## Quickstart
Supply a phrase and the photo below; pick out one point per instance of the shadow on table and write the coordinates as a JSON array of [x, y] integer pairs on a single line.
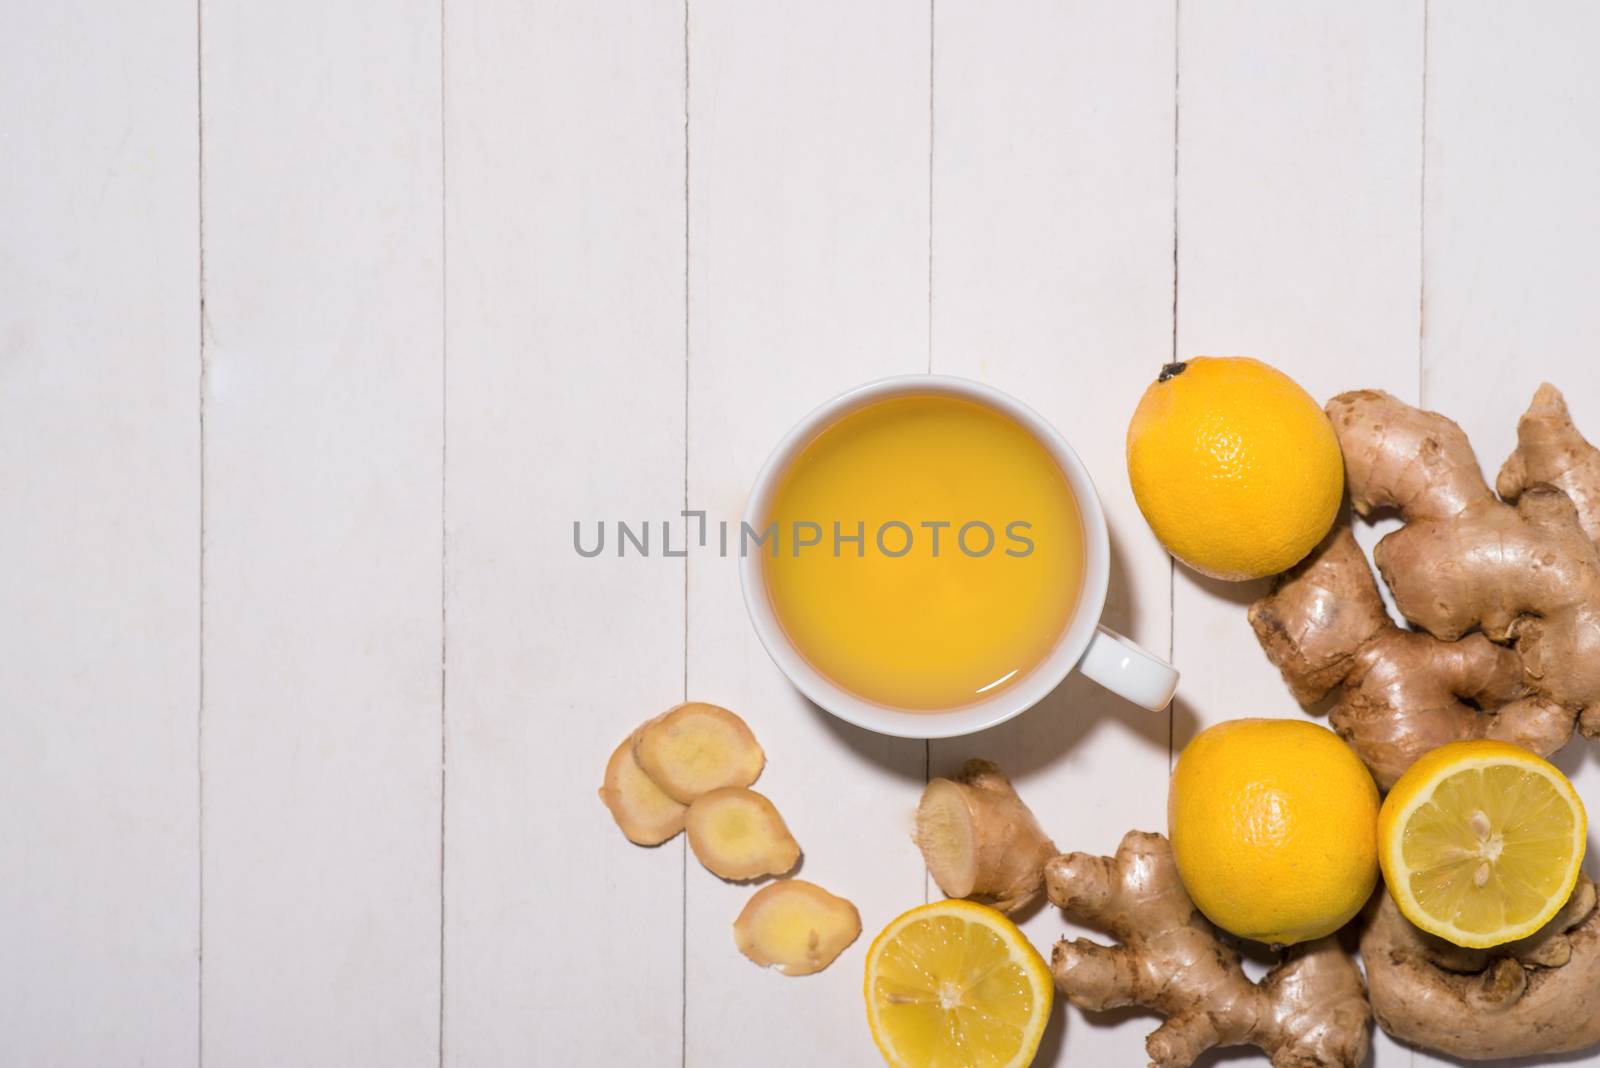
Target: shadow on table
[[1052, 1047], [905, 758]]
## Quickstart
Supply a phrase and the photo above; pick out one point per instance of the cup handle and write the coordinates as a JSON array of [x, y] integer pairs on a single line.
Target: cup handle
[[1128, 671]]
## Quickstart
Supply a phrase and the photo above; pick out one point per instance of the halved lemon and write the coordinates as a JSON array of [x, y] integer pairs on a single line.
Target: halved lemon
[[955, 984], [1480, 842]]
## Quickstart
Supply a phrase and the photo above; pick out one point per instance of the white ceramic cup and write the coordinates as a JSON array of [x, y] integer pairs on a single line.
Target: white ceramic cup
[[1100, 653]]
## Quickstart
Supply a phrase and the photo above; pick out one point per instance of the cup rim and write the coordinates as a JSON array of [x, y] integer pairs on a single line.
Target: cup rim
[[978, 715]]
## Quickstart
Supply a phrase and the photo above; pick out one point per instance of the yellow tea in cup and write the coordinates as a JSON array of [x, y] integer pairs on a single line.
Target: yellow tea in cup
[[923, 552]]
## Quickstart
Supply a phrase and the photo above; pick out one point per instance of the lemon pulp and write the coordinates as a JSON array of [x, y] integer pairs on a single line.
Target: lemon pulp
[[1484, 848], [956, 985]]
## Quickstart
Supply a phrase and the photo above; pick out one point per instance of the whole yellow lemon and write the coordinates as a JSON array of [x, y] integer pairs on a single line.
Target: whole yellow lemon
[[1274, 824], [1235, 467]]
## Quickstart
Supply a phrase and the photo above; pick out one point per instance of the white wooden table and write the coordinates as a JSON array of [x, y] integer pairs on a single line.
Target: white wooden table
[[321, 321]]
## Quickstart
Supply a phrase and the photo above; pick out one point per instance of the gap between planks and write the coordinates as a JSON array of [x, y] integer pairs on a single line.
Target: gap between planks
[[444, 527], [683, 845]]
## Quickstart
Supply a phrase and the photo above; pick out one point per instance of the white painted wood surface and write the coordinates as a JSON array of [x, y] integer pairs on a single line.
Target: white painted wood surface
[[323, 452], [100, 493], [565, 387], [475, 271]]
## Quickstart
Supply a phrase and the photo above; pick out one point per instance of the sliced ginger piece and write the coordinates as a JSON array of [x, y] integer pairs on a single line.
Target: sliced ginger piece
[[738, 834], [795, 927], [979, 839], [646, 815], [696, 748]]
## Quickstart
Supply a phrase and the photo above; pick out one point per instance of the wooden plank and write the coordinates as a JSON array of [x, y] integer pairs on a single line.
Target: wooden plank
[[1510, 224], [1299, 184], [566, 389], [323, 437], [99, 472], [1510, 216], [1298, 244], [1052, 279], [809, 257]]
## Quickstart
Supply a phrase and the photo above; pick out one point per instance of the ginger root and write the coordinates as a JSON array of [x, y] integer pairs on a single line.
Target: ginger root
[[1396, 694], [1508, 597], [795, 927], [1527, 576], [1522, 999], [1550, 451], [646, 815], [979, 840], [1310, 1011], [695, 748], [738, 834]]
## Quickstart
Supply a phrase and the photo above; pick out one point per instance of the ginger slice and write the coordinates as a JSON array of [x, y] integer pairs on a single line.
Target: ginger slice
[[978, 839], [646, 815], [695, 748], [795, 927], [738, 834]]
